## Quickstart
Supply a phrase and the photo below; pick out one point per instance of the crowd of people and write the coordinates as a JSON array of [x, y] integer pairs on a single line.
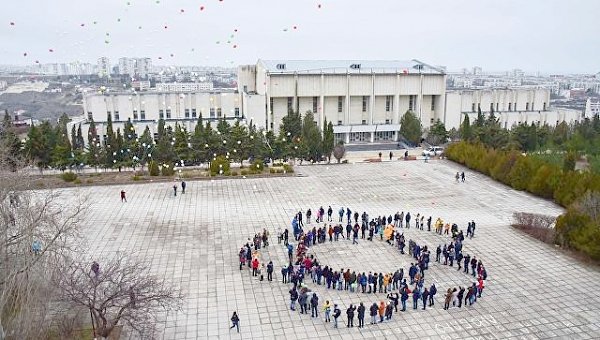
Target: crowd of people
[[303, 266]]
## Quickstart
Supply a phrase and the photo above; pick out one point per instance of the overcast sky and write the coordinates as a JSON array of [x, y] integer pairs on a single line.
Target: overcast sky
[[550, 36]]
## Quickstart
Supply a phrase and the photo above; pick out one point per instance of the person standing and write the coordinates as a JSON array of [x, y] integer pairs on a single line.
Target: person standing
[[329, 213], [175, 189], [293, 298], [457, 176], [462, 176], [391, 155], [381, 311], [336, 314], [235, 320], [361, 315], [424, 297], [379, 155], [270, 271], [373, 312], [314, 305], [123, 198], [183, 185], [350, 314], [327, 310], [432, 292]]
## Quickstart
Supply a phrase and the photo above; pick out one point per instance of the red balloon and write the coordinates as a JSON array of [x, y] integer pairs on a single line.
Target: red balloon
[[234, 46], [171, 54], [25, 54], [37, 61], [295, 27], [182, 10], [12, 23], [319, 6], [82, 25], [50, 50], [159, 58], [201, 8], [166, 27], [235, 30]]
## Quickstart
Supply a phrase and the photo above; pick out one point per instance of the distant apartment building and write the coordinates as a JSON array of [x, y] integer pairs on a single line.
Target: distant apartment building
[[3, 85], [141, 85], [592, 107], [104, 69], [184, 87], [135, 67]]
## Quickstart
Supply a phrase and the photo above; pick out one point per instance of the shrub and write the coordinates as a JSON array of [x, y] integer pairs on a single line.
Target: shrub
[[244, 172], [153, 168], [288, 168], [219, 166], [544, 181], [77, 181], [257, 167], [68, 176], [280, 171], [167, 170], [234, 173], [136, 178], [89, 181], [271, 170]]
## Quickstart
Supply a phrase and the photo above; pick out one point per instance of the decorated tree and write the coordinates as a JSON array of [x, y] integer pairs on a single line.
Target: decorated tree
[[328, 140], [410, 127]]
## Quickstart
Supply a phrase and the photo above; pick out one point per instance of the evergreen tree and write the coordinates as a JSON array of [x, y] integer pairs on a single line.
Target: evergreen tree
[[110, 145], [199, 142], [465, 129], [94, 150], [480, 118], [10, 141], [410, 127], [239, 143], [79, 136], [182, 145], [437, 133], [144, 148], [74, 144], [61, 155], [328, 140], [311, 142]]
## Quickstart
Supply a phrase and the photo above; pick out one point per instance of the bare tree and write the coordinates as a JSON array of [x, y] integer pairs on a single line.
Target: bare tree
[[36, 231], [339, 151], [118, 290]]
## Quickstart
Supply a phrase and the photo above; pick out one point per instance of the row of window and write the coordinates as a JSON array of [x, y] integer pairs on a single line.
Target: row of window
[[511, 107], [389, 103], [161, 114]]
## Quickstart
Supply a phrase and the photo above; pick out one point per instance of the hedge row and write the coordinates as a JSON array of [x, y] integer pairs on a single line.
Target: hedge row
[[579, 227], [525, 173]]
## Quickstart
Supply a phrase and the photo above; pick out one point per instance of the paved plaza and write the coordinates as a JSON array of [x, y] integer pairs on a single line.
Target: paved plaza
[[532, 291]]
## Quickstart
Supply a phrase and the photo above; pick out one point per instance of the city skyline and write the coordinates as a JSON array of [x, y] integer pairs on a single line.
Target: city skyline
[[536, 36]]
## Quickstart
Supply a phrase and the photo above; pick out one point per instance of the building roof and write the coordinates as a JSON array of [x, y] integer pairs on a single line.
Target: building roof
[[348, 66]]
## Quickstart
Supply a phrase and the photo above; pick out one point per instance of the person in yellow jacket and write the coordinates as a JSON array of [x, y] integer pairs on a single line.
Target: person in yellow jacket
[[327, 310]]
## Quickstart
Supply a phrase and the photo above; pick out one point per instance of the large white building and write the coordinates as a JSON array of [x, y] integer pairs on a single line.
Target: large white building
[[365, 100], [592, 108]]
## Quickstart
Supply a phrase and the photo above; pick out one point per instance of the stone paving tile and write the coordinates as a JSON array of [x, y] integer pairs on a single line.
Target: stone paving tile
[[533, 291]]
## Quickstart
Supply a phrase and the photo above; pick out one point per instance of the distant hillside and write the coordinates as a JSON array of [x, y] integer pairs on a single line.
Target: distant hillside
[[41, 105]]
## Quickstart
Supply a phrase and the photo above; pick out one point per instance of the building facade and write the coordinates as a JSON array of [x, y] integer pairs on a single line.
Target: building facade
[[103, 67], [146, 108], [511, 106], [592, 108], [365, 100]]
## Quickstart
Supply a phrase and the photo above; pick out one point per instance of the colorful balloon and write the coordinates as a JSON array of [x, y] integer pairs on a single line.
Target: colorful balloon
[[201, 8], [50, 50], [12, 23]]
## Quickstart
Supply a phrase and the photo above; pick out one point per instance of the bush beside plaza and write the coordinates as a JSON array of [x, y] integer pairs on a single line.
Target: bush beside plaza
[[579, 192]]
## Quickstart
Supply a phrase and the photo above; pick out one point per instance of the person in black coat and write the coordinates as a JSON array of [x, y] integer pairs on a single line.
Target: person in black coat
[[350, 314], [361, 315]]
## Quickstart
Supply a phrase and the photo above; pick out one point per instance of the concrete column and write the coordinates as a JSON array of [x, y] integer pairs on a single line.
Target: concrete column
[[397, 101], [420, 99], [347, 137], [372, 137], [372, 100], [321, 104], [347, 108]]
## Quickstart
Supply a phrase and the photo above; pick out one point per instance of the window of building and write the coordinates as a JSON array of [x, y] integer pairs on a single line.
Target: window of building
[[339, 122], [91, 117], [219, 112], [432, 103], [340, 104], [497, 107], [532, 106], [187, 113], [290, 101], [315, 104], [271, 125], [526, 106], [108, 115], [387, 121], [411, 103], [515, 107], [473, 107], [364, 103], [135, 114], [271, 104], [364, 122], [509, 106], [478, 106], [117, 117], [389, 104], [236, 111], [168, 113], [543, 108], [212, 112], [193, 113], [491, 107], [161, 114], [142, 114]]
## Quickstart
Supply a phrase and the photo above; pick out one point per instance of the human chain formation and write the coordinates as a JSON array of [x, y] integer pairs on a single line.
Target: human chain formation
[[302, 265]]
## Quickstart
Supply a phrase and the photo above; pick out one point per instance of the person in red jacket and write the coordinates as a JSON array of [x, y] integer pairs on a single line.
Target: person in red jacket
[[255, 264]]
